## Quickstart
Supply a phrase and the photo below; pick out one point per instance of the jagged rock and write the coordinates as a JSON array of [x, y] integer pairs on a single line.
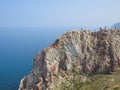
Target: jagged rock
[[90, 52]]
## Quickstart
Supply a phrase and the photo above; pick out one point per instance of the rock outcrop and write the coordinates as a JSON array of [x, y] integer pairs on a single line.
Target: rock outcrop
[[90, 52]]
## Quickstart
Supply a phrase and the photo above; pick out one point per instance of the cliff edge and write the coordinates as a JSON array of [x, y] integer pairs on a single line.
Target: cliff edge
[[89, 52]]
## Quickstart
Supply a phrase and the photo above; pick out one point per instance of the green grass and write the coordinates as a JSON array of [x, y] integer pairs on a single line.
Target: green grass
[[94, 82]]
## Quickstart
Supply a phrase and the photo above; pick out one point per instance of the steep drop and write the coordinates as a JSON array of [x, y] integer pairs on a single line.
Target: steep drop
[[89, 52]]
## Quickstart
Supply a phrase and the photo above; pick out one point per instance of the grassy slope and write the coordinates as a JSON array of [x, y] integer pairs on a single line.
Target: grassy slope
[[103, 82], [95, 82]]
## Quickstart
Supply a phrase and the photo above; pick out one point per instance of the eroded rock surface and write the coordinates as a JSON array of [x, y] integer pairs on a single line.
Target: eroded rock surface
[[90, 52]]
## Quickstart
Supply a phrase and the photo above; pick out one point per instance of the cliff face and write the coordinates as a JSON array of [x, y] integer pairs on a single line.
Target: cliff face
[[89, 52]]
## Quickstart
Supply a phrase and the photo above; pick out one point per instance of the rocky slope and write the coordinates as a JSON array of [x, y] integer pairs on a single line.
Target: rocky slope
[[89, 52]]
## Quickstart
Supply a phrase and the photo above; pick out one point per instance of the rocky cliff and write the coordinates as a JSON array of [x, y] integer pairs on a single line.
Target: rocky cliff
[[89, 52]]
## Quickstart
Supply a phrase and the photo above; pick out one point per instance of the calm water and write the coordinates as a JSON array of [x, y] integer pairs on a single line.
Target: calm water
[[18, 46]]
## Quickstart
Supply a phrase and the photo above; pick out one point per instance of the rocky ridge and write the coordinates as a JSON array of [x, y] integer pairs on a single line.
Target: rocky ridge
[[90, 52]]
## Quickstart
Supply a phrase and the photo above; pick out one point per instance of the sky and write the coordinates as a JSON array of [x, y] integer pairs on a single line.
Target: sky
[[52, 13]]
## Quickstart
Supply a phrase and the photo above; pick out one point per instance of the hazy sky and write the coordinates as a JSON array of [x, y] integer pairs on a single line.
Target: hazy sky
[[42, 13]]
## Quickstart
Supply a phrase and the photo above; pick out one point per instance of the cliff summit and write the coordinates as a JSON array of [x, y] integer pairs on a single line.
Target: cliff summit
[[89, 52]]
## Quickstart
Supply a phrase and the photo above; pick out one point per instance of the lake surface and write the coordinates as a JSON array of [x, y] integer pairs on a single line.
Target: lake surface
[[18, 46]]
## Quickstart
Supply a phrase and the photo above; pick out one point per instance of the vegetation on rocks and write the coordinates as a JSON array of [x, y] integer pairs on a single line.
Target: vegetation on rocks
[[93, 82]]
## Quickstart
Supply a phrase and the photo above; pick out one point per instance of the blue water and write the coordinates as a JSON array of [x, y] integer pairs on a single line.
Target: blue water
[[18, 46]]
